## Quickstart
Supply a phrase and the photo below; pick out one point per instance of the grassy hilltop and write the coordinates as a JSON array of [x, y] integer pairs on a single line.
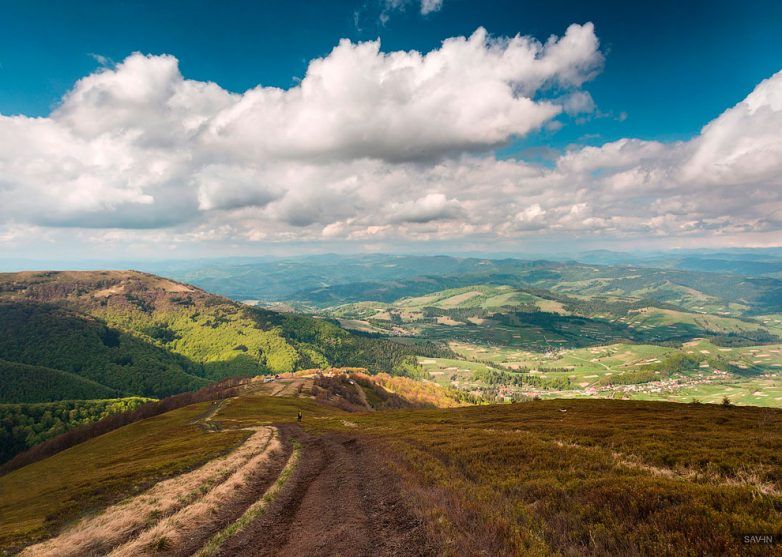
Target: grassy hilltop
[[581, 477]]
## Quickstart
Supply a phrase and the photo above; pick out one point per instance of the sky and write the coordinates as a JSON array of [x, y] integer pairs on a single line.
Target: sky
[[162, 129]]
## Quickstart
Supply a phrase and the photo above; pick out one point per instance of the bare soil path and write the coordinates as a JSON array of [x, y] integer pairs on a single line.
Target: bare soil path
[[341, 500], [285, 386]]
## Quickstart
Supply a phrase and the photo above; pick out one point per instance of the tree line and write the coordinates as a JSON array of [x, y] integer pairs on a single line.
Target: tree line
[[216, 391], [25, 425]]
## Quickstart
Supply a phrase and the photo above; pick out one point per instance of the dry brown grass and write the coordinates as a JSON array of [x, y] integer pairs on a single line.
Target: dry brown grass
[[40, 499], [255, 510], [584, 477], [199, 519], [119, 522]]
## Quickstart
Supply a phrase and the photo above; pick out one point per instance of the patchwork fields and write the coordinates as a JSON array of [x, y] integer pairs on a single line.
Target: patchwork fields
[[510, 342]]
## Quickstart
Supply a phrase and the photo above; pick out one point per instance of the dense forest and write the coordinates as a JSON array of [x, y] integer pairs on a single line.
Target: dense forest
[[25, 425], [55, 337], [26, 383], [344, 349], [495, 377], [119, 415]]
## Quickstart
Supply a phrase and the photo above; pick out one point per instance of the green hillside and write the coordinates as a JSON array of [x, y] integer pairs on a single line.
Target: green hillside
[[44, 334], [138, 334], [25, 383], [25, 425]]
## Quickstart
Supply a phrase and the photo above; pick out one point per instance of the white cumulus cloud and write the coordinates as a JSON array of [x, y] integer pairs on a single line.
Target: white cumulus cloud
[[138, 145], [429, 6], [377, 146]]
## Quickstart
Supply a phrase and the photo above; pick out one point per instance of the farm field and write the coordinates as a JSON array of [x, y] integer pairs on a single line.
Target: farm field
[[595, 341], [755, 376], [445, 371], [539, 331], [479, 296], [518, 318], [748, 360], [746, 392], [488, 298], [651, 318], [773, 322], [610, 358]]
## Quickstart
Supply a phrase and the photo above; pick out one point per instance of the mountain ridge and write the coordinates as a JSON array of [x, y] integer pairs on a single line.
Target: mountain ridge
[[141, 334]]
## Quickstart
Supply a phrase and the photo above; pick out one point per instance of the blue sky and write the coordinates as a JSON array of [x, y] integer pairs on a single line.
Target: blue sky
[[101, 164], [660, 55]]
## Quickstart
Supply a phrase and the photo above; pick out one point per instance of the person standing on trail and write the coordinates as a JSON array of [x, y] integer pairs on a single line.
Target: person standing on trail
[[298, 417]]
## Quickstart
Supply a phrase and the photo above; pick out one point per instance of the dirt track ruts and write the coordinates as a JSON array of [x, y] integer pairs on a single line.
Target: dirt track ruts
[[191, 531], [340, 500]]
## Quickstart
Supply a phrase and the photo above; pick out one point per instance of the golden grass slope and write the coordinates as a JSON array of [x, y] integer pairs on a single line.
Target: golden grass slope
[[587, 477], [38, 499], [197, 519], [120, 522], [555, 477]]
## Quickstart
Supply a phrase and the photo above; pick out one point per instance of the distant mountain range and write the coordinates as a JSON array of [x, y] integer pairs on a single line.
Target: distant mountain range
[[332, 280], [285, 278], [312, 283]]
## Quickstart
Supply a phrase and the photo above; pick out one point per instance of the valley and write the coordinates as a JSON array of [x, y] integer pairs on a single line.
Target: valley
[[589, 338], [390, 278], [109, 335]]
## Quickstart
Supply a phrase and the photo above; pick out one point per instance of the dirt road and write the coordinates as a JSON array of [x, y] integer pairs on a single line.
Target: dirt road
[[341, 500]]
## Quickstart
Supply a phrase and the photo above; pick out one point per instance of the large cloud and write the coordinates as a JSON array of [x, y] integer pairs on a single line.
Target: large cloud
[[373, 145], [743, 147], [138, 145], [472, 93]]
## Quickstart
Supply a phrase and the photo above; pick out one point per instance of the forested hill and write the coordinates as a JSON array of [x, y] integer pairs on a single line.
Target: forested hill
[[132, 333]]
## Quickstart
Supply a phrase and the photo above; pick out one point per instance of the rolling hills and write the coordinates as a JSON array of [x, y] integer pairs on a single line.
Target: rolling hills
[[382, 463], [521, 333], [131, 333], [683, 280], [618, 335]]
